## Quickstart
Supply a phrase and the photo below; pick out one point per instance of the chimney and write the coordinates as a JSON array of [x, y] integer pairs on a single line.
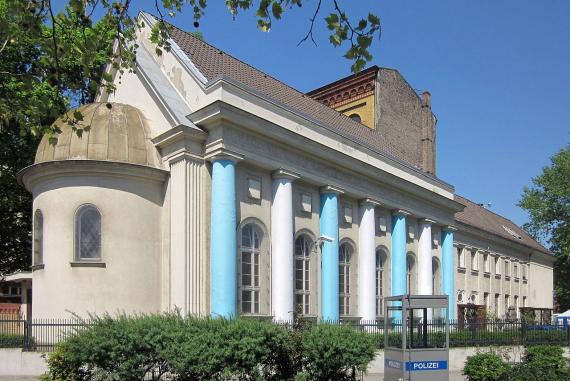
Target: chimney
[[426, 99], [428, 122]]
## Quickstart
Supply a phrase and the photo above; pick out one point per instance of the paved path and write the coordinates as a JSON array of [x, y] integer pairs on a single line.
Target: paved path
[[454, 376]]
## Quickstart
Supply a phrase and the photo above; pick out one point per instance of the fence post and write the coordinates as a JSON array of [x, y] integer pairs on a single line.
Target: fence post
[[26, 344], [523, 332]]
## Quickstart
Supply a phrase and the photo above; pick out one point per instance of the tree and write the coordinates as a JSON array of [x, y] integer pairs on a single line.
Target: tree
[[16, 152], [31, 97], [68, 44], [51, 62], [547, 202]]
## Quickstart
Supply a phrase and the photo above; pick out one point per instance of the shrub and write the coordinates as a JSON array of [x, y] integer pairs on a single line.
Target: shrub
[[128, 348], [334, 352], [543, 362], [8, 340], [486, 366], [120, 348], [217, 349]]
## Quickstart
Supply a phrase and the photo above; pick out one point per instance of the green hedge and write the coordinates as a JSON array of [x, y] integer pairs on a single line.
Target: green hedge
[[128, 348], [8, 340], [540, 362]]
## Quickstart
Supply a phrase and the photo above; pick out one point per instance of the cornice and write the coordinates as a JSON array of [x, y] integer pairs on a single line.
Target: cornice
[[217, 151], [369, 201], [331, 189], [401, 212], [284, 174], [34, 174]]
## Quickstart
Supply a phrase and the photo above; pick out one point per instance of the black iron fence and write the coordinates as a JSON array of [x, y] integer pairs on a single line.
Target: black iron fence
[[42, 335], [39, 335]]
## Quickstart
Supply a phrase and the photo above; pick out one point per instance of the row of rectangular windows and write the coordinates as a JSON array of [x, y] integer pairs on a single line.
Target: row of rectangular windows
[[487, 264]]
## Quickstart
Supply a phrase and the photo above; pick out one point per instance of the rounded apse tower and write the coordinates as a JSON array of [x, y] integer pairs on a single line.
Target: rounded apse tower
[[97, 205]]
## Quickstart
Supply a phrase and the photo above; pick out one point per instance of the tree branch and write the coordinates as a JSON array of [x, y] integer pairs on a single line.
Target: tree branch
[[4, 45], [310, 32], [54, 41]]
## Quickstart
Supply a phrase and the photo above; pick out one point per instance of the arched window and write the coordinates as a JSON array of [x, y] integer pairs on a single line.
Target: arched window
[[355, 117], [250, 281], [87, 233], [380, 266], [38, 238], [303, 246], [345, 256], [435, 276], [410, 273]]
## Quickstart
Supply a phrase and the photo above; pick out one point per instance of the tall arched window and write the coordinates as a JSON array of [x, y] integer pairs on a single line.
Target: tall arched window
[[410, 275], [38, 238], [250, 283], [380, 265], [87, 233], [435, 276], [303, 246], [345, 256]]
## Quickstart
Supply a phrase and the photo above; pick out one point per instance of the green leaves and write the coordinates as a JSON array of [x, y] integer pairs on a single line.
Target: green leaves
[[547, 201], [191, 348], [487, 366], [359, 36]]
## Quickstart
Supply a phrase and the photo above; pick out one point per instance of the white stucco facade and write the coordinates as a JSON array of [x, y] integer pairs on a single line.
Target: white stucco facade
[[158, 245]]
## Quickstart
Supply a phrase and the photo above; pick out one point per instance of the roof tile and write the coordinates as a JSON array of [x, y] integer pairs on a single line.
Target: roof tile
[[484, 219]]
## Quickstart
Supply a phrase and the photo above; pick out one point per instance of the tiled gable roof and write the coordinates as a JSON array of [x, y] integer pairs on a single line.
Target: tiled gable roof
[[476, 216], [214, 63]]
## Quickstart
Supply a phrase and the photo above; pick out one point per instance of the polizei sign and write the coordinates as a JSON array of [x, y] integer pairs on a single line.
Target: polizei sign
[[413, 366]]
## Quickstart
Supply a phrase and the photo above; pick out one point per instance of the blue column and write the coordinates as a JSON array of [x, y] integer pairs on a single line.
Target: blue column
[[448, 268], [398, 253], [330, 263], [223, 241]]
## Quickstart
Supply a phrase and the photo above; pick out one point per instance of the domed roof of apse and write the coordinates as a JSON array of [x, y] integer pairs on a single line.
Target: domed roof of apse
[[116, 132]]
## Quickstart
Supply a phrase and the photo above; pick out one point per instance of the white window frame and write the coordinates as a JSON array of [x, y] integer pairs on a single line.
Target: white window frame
[[346, 252], [304, 259], [381, 258], [474, 260], [77, 227], [497, 266], [460, 257], [486, 263], [254, 252]]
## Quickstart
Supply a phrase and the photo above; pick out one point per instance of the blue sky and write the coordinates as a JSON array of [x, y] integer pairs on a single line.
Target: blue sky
[[498, 72]]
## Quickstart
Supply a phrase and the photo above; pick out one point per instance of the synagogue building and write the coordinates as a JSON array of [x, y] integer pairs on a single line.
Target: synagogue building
[[205, 185]]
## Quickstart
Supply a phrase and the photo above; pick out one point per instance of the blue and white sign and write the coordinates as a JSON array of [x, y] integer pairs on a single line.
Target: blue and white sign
[[416, 366]]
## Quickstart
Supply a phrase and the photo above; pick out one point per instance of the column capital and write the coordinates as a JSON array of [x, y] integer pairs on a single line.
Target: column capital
[[448, 228], [183, 155], [331, 189], [369, 201], [427, 221], [179, 143], [284, 174], [400, 212], [223, 154]]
